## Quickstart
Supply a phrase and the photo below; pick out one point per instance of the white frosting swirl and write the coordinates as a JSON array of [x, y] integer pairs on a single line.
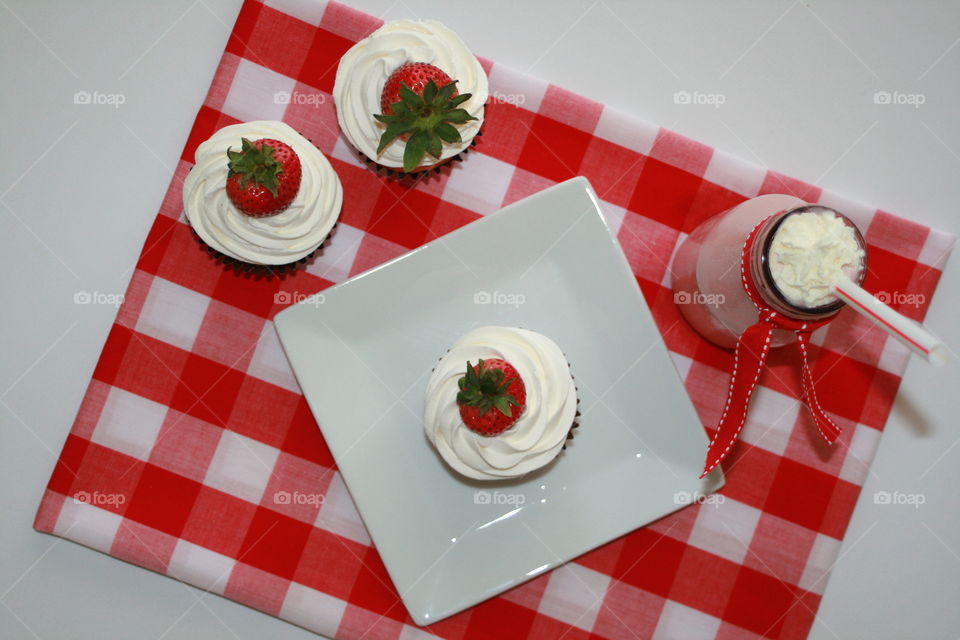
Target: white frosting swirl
[[364, 70], [537, 436], [286, 237]]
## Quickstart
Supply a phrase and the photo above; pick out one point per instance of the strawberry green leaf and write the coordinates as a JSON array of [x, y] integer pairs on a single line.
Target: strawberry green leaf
[[392, 132], [458, 116], [447, 132], [430, 91], [416, 148]]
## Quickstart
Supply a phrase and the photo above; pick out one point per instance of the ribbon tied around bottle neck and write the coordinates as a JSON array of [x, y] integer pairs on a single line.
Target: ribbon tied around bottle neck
[[750, 357]]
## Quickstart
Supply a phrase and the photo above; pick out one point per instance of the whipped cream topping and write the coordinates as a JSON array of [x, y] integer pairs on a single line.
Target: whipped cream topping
[[536, 438], [810, 253], [286, 237], [364, 70]]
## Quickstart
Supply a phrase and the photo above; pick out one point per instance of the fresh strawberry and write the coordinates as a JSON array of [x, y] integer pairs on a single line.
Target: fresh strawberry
[[421, 101], [263, 177], [492, 397]]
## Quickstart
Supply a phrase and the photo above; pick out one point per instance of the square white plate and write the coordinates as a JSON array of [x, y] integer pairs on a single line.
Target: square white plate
[[363, 353]]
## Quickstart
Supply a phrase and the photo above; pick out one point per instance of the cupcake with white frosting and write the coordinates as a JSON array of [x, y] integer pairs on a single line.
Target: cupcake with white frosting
[[261, 196], [410, 96], [501, 403]]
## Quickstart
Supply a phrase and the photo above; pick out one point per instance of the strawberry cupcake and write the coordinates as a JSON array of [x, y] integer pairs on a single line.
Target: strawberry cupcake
[[410, 96], [261, 196], [501, 403]]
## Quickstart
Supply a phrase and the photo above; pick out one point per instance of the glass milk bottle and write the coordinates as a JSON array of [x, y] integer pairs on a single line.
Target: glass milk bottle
[[708, 280]]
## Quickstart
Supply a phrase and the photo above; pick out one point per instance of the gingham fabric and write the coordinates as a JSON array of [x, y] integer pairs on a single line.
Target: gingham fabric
[[193, 423]]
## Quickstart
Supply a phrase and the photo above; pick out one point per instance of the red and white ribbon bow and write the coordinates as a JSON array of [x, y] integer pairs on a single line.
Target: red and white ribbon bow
[[749, 359]]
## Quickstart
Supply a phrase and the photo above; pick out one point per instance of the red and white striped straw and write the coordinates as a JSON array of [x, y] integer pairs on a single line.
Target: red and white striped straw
[[904, 329]]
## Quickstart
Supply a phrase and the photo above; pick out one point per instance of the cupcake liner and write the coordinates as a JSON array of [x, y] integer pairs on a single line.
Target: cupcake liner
[[414, 177], [263, 270]]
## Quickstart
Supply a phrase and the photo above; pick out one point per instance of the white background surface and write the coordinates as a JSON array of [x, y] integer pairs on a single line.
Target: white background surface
[[80, 184]]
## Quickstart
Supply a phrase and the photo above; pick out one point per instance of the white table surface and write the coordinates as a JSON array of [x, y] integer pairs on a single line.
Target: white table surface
[[80, 184]]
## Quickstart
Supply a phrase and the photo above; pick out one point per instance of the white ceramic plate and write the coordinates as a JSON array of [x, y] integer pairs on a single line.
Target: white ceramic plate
[[363, 357]]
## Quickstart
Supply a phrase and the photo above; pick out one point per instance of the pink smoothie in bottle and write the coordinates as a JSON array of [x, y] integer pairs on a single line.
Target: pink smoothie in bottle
[[799, 252]]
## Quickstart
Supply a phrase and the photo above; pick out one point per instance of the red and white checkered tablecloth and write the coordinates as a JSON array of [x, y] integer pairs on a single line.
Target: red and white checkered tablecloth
[[193, 419]]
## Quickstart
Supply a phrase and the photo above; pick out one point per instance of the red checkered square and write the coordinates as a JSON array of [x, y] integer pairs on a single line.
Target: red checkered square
[[187, 262], [274, 542], [207, 390], [800, 494], [219, 522], [553, 149], [263, 412], [663, 193], [643, 568], [628, 612], [162, 500], [406, 216], [759, 602], [711, 592], [150, 368], [279, 42], [485, 620], [323, 56], [329, 563]]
